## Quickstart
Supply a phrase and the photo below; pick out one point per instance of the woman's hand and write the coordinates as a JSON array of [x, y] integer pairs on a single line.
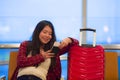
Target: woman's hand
[[65, 42], [47, 54]]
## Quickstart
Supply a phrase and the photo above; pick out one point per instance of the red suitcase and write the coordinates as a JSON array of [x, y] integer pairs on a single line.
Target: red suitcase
[[86, 62]]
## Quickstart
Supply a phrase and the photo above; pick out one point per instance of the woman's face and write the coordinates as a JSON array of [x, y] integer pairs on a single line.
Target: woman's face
[[45, 35]]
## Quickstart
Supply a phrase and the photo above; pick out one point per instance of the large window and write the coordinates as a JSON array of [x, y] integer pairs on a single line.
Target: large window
[[104, 16], [19, 18]]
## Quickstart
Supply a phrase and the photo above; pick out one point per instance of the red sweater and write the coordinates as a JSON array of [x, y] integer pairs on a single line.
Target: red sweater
[[23, 61]]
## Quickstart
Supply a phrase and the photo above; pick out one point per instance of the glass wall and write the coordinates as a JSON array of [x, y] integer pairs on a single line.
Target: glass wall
[[104, 16], [19, 18]]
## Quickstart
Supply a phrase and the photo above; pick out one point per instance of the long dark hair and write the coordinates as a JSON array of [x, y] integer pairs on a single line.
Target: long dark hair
[[35, 43]]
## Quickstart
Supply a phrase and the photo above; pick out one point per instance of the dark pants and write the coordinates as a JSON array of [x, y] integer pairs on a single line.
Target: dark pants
[[28, 77]]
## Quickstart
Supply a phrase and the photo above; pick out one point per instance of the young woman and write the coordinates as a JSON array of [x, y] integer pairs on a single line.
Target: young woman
[[35, 60]]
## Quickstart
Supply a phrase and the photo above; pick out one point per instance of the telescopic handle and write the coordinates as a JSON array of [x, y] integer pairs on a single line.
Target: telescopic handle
[[88, 29]]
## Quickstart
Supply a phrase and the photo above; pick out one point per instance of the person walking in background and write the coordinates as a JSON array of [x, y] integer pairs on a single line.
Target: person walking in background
[[35, 60]]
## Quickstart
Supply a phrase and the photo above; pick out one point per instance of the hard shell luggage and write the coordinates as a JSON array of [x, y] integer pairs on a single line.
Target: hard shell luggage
[[85, 61]]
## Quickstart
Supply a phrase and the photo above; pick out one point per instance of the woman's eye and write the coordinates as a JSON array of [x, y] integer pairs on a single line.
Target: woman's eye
[[44, 32]]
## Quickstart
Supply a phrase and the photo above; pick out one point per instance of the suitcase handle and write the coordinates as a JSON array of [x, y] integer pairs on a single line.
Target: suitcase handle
[[94, 39], [87, 29]]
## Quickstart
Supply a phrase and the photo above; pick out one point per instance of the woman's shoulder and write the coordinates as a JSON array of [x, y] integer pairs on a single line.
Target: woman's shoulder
[[25, 42]]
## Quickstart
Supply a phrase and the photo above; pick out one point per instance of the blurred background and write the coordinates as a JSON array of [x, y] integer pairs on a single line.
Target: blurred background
[[18, 19]]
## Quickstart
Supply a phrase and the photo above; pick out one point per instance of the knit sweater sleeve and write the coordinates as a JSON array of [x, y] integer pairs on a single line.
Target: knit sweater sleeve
[[23, 60], [66, 49]]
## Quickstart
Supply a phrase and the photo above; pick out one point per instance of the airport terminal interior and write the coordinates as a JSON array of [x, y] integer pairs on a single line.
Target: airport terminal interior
[[18, 19]]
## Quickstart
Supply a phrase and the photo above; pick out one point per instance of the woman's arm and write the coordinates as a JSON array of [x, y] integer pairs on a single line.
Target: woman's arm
[[66, 44], [23, 60]]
